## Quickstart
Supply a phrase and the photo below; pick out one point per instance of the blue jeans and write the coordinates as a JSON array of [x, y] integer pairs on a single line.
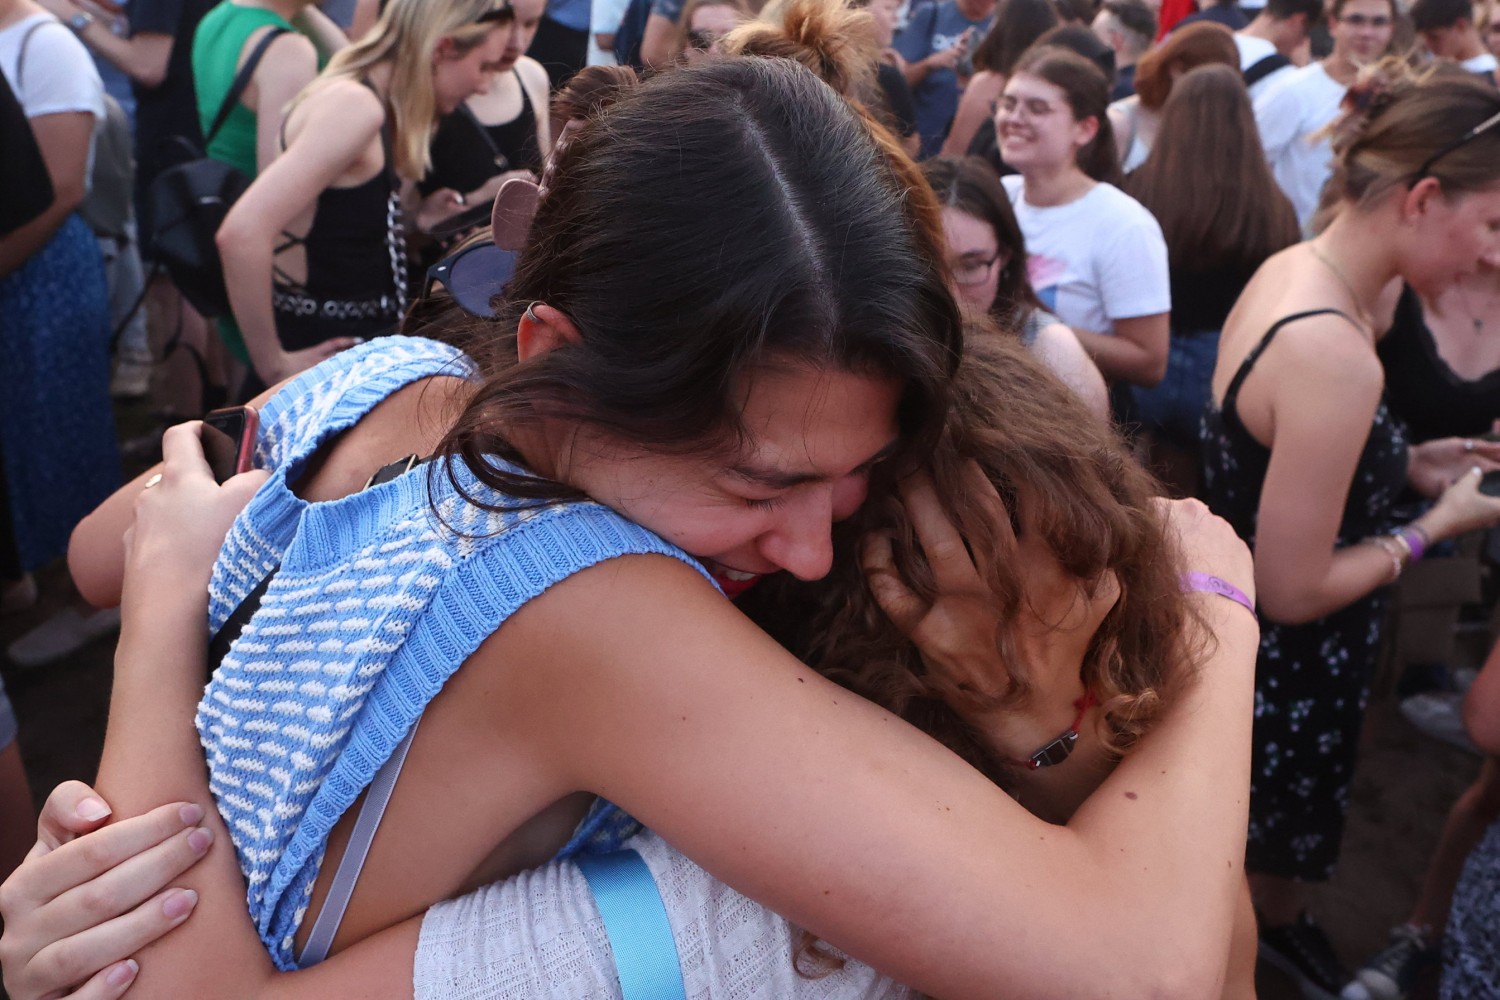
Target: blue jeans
[[1172, 409]]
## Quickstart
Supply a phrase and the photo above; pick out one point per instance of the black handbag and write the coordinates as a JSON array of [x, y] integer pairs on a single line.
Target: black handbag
[[189, 202]]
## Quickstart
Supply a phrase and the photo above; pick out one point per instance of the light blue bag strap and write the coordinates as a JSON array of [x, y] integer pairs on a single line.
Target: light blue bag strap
[[635, 920]]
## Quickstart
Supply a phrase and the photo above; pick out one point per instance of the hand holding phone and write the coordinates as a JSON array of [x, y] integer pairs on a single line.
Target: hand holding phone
[[229, 440]]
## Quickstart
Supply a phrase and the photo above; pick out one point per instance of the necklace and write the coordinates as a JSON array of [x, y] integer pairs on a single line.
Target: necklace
[[1477, 318], [1360, 312]]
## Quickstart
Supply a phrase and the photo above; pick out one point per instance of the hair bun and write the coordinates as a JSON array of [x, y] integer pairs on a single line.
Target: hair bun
[[834, 41], [1377, 88]]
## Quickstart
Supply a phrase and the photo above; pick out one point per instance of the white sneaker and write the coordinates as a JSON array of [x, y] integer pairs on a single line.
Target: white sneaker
[[132, 378], [62, 635], [1439, 714]]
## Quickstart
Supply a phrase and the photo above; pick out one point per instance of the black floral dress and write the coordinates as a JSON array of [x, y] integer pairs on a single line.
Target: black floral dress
[[1312, 680], [1471, 945]]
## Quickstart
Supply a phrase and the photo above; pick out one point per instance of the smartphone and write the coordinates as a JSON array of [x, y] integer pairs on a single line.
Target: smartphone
[[1490, 484], [229, 440]]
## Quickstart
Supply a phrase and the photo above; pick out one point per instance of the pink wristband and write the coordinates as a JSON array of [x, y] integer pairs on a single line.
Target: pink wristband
[[1208, 583]]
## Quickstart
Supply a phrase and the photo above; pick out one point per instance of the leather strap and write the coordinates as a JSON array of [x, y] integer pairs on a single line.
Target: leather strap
[[635, 919], [241, 81]]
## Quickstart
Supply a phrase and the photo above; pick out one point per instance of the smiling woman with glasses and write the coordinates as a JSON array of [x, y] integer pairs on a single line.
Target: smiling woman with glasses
[[987, 271]]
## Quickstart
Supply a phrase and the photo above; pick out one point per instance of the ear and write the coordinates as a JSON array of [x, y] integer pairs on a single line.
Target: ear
[[1084, 131], [1419, 199], [542, 329], [443, 51]]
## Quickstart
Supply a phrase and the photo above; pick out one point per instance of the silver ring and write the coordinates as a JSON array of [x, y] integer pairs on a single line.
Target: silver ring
[[1468, 444], [152, 481]]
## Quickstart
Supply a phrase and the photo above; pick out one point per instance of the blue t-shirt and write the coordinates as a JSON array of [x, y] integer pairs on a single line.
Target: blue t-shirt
[[932, 28], [570, 13]]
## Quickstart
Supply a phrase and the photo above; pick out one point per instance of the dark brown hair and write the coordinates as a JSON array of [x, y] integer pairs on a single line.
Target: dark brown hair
[[1207, 181], [1202, 43], [971, 186], [711, 221], [1086, 89], [1018, 24]]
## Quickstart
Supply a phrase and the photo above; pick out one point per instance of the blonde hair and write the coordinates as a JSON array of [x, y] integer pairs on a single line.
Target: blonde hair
[[406, 36]]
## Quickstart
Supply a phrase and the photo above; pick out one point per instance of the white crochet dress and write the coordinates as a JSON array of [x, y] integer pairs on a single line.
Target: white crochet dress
[[539, 934]]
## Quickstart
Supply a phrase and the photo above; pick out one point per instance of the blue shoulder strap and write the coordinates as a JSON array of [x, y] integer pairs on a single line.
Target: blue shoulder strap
[[635, 920]]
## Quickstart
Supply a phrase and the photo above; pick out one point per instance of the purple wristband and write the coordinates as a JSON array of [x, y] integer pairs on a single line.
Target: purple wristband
[[1210, 584], [1414, 541]]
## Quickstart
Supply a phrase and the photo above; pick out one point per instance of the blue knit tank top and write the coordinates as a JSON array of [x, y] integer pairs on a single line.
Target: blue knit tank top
[[376, 603]]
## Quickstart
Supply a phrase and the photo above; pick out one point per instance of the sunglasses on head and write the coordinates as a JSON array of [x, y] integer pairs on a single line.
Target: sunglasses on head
[[1463, 140], [473, 277]]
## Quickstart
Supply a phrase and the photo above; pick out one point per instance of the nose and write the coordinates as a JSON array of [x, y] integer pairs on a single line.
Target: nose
[[801, 542]]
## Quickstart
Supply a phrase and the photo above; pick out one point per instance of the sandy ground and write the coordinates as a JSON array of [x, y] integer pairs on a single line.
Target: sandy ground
[[1403, 788]]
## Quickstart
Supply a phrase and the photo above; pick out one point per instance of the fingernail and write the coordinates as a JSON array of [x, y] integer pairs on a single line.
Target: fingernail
[[122, 973], [199, 839], [92, 809], [191, 814], [179, 903]]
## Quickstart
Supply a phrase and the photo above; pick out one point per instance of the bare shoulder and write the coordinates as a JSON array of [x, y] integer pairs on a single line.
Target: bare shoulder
[[338, 108], [291, 50], [533, 75]]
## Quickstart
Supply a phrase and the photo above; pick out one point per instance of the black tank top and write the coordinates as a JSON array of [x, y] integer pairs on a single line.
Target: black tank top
[[466, 153], [356, 265], [1423, 391]]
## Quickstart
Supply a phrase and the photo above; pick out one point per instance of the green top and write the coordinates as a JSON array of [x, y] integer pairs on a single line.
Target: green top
[[217, 45]]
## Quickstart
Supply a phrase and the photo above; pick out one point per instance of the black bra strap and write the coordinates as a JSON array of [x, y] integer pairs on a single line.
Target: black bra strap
[[1232, 394]]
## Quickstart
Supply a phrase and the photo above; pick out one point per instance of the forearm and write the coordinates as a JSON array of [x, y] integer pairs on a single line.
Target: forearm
[[152, 755], [145, 63], [916, 70], [1168, 826], [326, 36], [1121, 359], [248, 279]]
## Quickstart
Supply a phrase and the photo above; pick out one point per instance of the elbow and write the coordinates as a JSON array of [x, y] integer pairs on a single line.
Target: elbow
[[150, 75], [1285, 610], [67, 195], [1482, 723]]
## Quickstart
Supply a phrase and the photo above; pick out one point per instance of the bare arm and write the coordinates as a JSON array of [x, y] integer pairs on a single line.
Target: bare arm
[[975, 105], [1319, 397], [1135, 353], [64, 143], [1058, 348], [656, 43], [142, 57], [288, 65], [1482, 706], [327, 36]]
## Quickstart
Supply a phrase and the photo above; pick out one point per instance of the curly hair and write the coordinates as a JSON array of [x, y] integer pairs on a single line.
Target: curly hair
[[1092, 504]]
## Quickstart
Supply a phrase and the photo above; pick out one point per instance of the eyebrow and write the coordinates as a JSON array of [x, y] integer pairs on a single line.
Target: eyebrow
[[780, 479]]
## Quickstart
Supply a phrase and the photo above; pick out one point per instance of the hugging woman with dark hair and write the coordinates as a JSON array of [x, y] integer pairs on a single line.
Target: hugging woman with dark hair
[[558, 649]]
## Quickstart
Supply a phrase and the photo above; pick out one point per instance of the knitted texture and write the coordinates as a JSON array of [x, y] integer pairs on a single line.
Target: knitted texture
[[539, 934], [379, 597]]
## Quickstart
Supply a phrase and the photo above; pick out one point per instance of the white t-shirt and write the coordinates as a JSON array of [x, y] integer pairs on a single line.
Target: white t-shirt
[[539, 934], [58, 75], [1485, 62], [1252, 51], [1097, 259], [1290, 116]]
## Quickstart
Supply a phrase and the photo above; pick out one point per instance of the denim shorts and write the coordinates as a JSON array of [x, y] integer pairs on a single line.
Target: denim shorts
[[1173, 408]]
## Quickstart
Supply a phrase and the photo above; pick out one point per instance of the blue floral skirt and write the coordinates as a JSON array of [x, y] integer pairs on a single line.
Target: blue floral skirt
[[57, 432]]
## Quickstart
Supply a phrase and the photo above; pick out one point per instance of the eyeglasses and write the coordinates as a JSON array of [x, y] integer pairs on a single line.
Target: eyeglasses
[[1467, 137], [473, 277], [973, 270], [1361, 21]]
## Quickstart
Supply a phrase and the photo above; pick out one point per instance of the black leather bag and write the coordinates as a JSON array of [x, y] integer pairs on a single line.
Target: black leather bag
[[189, 203]]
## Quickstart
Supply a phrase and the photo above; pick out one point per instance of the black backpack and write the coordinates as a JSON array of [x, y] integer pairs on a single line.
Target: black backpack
[[189, 203]]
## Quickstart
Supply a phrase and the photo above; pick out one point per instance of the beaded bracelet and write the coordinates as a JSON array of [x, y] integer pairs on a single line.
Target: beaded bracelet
[[1399, 551]]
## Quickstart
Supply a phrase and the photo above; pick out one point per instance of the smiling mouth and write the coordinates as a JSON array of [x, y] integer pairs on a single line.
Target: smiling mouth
[[733, 582]]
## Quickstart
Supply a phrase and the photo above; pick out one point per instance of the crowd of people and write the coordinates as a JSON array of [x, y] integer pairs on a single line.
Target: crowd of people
[[1057, 393]]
